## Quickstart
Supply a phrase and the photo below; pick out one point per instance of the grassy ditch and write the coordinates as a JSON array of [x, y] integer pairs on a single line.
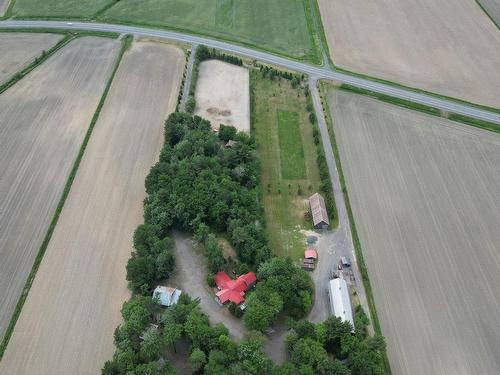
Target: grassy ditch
[[125, 45], [475, 122], [323, 89]]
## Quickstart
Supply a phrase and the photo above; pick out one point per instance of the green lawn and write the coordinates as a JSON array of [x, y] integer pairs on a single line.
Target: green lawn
[[280, 26], [58, 8], [293, 166], [281, 110]]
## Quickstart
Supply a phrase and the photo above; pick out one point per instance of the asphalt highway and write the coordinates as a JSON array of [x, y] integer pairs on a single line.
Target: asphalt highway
[[315, 72]]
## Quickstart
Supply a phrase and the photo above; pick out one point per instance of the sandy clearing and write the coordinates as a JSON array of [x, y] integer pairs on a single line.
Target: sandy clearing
[[223, 94], [18, 50], [67, 323], [425, 193], [448, 47], [44, 119]]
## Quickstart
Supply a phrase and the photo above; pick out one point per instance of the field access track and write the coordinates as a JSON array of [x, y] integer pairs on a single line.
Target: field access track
[[45, 117], [67, 323], [18, 50], [425, 195], [448, 47]]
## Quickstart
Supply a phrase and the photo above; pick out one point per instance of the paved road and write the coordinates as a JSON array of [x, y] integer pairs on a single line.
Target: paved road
[[339, 243], [313, 71], [187, 81]]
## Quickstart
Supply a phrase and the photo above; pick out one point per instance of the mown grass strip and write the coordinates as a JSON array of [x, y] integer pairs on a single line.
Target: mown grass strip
[[323, 89], [293, 165], [37, 61], [125, 45], [392, 100]]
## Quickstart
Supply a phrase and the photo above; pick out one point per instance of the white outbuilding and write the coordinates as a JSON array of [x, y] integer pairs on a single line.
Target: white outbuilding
[[340, 301], [166, 295]]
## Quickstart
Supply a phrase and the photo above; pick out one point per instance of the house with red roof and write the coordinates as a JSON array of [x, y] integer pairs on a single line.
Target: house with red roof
[[233, 290]]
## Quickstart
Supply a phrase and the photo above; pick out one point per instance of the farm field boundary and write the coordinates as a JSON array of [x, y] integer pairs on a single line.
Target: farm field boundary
[[125, 44], [423, 108], [323, 89], [494, 17], [40, 59]]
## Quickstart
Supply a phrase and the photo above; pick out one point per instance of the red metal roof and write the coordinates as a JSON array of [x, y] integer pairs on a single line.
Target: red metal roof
[[231, 295], [233, 290], [310, 253], [221, 279], [249, 278]]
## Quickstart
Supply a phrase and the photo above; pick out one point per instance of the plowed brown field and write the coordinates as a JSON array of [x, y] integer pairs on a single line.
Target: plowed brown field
[[19, 49], [43, 121], [449, 47], [67, 323], [425, 194]]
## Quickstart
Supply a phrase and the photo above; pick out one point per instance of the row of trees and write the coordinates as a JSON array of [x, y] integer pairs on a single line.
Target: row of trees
[[327, 348], [331, 348]]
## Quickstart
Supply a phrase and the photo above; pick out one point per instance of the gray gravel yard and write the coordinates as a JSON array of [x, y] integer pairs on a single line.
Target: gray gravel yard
[[425, 194]]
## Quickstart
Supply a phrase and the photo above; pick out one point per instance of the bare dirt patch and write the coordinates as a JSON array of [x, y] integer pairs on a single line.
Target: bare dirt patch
[[425, 196], [44, 118], [18, 50], [67, 323], [222, 95], [449, 47]]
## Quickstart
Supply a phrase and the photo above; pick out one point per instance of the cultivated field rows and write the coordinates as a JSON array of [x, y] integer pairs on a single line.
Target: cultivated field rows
[[44, 118], [425, 194], [18, 50], [448, 47], [67, 323], [223, 95]]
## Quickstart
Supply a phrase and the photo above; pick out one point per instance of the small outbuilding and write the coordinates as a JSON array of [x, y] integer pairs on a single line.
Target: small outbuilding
[[310, 254], [318, 212], [166, 295], [340, 301]]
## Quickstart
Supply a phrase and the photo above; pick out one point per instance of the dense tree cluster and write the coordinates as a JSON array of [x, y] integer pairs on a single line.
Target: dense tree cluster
[[282, 287], [331, 348], [198, 181]]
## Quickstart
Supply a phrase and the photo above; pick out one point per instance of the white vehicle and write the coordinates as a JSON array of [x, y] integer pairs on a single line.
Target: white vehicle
[[69, 23]]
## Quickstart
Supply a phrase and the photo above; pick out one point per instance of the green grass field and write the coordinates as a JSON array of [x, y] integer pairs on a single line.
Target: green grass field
[[279, 26], [58, 8], [293, 166], [280, 109]]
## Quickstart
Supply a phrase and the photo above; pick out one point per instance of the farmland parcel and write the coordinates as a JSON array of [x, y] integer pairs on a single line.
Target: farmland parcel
[[44, 119], [3, 6], [448, 47], [222, 95], [425, 196], [67, 323], [18, 50], [278, 25]]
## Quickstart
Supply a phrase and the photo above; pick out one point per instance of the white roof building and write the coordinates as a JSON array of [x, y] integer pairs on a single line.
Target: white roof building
[[168, 296], [340, 302]]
